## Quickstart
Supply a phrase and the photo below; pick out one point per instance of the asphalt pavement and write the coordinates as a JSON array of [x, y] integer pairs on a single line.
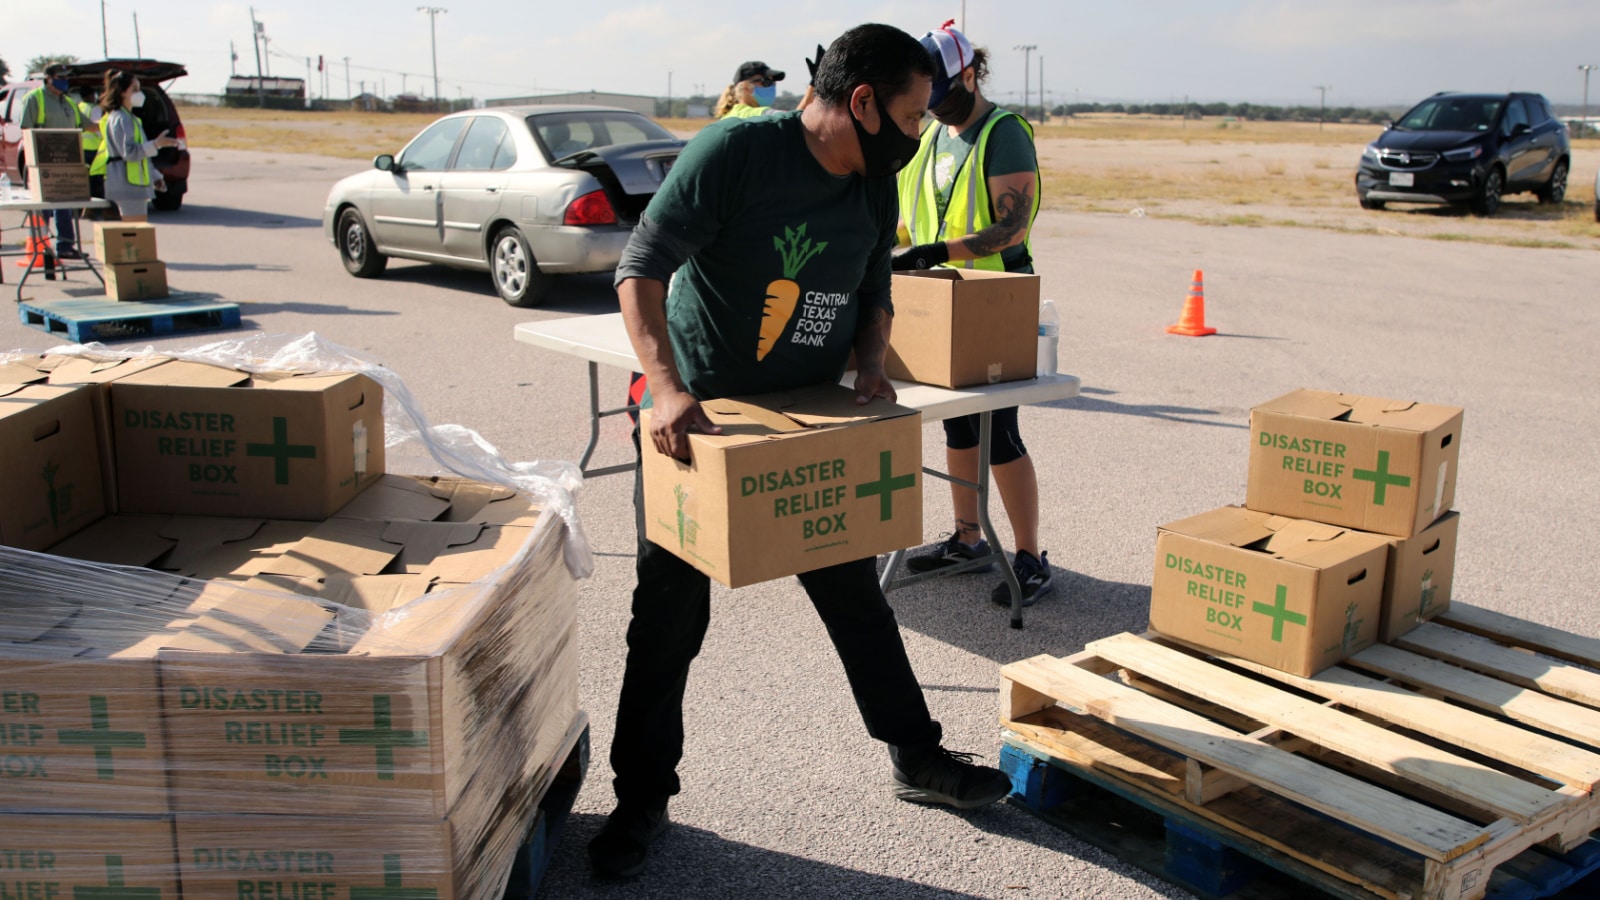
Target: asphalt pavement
[[784, 793]]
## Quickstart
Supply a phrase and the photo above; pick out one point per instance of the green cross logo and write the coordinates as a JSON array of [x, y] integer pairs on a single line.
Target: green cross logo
[[382, 737], [1380, 478], [391, 889], [100, 736], [115, 888], [1280, 613], [885, 486], [281, 450]]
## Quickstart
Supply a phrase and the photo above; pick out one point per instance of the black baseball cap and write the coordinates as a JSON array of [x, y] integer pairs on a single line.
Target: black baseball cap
[[756, 69], [55, 69]]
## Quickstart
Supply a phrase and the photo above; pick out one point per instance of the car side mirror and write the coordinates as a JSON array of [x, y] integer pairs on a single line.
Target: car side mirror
[[1520, 128], [1388, 124], [385, 161]]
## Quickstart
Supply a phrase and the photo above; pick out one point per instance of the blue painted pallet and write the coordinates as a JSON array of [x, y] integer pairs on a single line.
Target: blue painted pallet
[[539, 848], [86, 319]]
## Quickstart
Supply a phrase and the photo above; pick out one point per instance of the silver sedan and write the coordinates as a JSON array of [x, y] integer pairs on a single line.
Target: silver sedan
[[521, 192]]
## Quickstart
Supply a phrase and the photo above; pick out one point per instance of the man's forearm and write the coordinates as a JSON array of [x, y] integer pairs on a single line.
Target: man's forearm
[[872, 337], [644, 312]]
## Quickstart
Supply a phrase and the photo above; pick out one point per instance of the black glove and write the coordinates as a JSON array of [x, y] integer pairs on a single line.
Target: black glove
[[811, 64], [922, 256]]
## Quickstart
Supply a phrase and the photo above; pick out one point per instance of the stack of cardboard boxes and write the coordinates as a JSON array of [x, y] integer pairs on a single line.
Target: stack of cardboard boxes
[[805, 479], [1346, 537], [133, 271], [320, 678], [56, 172]]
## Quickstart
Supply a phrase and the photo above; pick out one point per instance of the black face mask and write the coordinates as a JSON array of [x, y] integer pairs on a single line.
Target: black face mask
[[888, 151], [956, 107]]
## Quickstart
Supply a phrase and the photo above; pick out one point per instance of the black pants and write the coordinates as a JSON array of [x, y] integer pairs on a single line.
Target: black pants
[[671, 610]]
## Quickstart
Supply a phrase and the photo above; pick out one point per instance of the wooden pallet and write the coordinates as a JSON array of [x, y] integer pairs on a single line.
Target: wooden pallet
[[1414, 770], [87, 319]]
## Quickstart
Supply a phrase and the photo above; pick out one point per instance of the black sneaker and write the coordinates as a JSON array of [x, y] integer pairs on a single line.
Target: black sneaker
[[1033, 573], [619, 849], [944, 776], [950, 552]]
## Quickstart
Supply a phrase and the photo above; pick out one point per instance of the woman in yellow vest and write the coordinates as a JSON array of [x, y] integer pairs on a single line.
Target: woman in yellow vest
[[125, 152], [967, 199], [754, 87]]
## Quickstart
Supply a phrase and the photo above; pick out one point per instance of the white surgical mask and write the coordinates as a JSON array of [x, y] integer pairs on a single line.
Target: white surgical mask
[[137, 100]]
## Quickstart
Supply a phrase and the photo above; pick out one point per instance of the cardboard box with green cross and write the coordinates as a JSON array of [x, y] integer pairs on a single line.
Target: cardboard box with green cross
[[796, 481], [1292, 594], [1388, 466], [195, 439], [83, 857]]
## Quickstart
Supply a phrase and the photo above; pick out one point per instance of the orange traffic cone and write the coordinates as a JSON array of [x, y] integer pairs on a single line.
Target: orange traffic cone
[[1193, 320], [34, 249]]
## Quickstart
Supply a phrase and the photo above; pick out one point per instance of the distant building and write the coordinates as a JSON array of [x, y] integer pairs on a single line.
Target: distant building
[[286, 88], [637, 103]]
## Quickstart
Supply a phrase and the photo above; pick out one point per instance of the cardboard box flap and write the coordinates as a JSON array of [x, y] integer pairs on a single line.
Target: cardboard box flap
[[83, 370], [376, 594], [1304, 531], [28, 617], [1408, 415], [757, 416], [397, 497], [422, 542], [351, 546], [183, 373], [195, 538], [263, 623], [1234, 526], [491, 504], [118, 541], [496, 545], [20, 371], [7, 390], [300, 381], [252, 555]]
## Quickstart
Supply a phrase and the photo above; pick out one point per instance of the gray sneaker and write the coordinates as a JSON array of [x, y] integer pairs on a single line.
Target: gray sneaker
[[944, 776], [949, 552], [1033, 573]]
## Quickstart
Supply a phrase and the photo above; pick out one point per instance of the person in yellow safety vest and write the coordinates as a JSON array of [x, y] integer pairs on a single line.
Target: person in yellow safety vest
[[48, 106], [754, 87], [91, 147], [968, 199], [125, 154]]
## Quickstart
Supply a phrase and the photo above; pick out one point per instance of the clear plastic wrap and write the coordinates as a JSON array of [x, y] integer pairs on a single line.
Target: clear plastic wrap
[[292, 710]]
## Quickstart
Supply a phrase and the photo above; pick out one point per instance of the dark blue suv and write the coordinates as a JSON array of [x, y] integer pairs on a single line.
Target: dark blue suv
[[1468, 149]]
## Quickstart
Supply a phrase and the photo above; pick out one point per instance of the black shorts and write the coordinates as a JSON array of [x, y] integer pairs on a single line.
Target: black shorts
[[1005, 441]]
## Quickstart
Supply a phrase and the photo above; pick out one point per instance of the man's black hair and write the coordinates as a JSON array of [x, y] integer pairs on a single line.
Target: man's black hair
[[880, 55]]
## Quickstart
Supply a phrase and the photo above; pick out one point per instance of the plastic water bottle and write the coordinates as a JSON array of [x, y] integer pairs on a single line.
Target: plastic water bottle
[[5, 187], [1049, 337]]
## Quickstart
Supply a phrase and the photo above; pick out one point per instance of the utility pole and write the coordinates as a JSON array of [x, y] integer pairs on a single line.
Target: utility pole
[[1322, 110], [308, 83], [1026, 50], [105, 42], [433, 18], [1586, 69], [669, 93], [255, 41], [138, 48], [1044, 113], [347, 78]]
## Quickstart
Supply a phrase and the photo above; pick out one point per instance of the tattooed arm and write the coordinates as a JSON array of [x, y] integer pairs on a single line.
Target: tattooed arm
[[1013, 197]]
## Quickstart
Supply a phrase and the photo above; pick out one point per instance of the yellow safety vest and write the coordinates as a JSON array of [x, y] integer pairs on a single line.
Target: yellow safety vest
[[91, 139], [969, 211], [39, 96], [744, 111], [138, 172]]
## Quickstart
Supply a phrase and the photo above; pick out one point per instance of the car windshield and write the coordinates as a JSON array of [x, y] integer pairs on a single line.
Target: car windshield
[[1452, 114], [563, 134]]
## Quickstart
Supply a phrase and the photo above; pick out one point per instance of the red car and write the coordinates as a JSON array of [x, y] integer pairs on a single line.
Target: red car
[[158, 114]]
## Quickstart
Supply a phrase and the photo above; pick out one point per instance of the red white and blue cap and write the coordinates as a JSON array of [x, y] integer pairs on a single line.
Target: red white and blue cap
[[951, 52]]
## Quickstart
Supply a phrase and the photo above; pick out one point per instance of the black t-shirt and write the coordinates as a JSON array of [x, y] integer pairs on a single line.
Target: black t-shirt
[[781, 255]]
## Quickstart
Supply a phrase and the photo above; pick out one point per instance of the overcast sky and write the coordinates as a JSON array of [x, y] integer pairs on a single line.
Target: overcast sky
[[1368, 52]]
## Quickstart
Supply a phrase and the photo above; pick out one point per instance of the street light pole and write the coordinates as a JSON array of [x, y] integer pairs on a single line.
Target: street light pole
[[1026, 49], [1586, 69], [433, 18], [1322, 110]]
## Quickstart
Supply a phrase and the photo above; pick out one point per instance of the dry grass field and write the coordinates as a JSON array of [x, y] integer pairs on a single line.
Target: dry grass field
[[1211, 171]]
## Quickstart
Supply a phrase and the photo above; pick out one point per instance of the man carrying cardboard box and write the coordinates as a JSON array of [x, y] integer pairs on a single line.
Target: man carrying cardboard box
[[968, 200], [782, 226]]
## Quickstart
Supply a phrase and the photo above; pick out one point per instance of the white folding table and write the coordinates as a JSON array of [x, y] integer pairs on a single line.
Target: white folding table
[[603, 340], [37, 221]]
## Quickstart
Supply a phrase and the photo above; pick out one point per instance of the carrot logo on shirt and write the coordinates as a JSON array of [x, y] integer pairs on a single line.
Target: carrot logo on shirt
[[783, 294]]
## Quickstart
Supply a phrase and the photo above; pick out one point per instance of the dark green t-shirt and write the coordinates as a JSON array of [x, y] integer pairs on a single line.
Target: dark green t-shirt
[[769, 224]]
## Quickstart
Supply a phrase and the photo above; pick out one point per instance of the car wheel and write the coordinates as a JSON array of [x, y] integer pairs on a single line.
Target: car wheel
[[1371, 204], [1487, 203], [1554, 190], [517, 278], [360, 255], [170, 199]]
